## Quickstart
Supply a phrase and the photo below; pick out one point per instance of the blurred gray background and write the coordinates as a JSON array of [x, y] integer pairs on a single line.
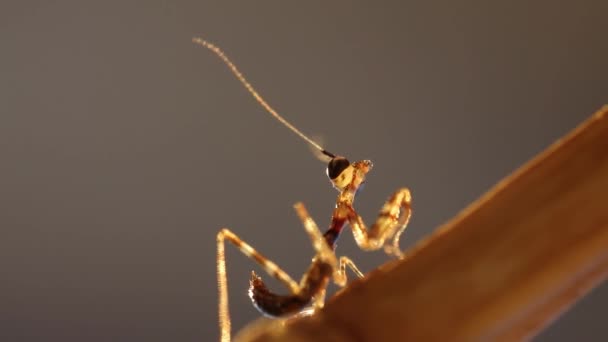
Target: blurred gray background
[[124, 147]]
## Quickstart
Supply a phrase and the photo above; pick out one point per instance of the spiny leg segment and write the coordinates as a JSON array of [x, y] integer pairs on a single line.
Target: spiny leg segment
[[270, 267], [392, 220], [325, 265], [390, 224], [324, 250]]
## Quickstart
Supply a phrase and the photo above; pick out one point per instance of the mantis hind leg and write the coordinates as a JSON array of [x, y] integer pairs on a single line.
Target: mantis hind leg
[[270, 267]]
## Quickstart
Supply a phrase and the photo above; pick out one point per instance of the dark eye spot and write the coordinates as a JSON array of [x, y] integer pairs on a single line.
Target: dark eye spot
[[336, 166]]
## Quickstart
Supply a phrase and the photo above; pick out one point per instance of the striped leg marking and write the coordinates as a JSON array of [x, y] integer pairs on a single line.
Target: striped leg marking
[[270, 267], [390, 224], [323, 251]]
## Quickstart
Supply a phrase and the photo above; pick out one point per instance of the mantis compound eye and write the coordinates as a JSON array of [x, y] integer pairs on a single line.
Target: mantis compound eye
[[336, 166]]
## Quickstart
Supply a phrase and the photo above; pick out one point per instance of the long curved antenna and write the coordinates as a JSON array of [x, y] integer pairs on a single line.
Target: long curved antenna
[[255, 94]]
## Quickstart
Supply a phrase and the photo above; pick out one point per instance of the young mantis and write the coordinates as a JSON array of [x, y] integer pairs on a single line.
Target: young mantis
[[345, 177]]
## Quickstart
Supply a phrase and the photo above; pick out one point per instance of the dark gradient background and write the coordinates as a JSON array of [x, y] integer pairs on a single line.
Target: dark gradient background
[[124, 147]]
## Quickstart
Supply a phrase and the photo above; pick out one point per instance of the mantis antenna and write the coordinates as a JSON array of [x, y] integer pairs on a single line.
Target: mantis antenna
[[217, 51]]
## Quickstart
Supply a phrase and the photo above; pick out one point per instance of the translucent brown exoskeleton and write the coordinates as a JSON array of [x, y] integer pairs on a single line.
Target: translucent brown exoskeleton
[[347, 178]]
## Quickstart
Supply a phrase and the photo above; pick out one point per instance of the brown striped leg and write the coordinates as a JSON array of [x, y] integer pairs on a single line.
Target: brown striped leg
[[390, 224], [325, 252], [270, 267], [322, 250]]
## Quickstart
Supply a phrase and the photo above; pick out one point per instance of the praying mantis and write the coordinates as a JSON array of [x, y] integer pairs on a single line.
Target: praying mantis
[[326, 266]]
